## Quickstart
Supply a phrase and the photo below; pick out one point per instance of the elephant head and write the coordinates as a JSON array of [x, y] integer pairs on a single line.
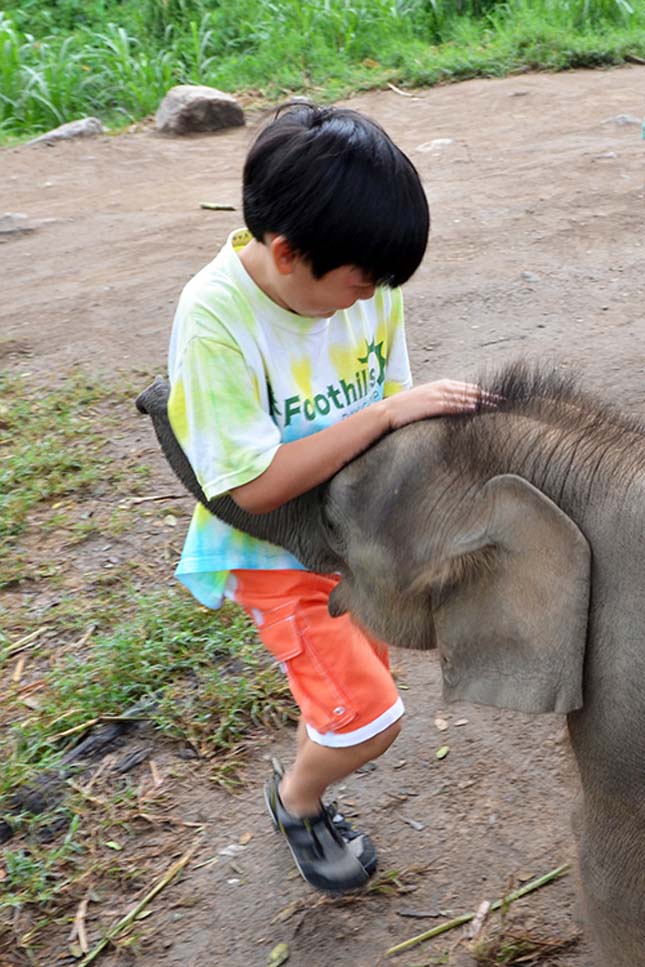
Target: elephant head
[[492, 571], [489, 569]]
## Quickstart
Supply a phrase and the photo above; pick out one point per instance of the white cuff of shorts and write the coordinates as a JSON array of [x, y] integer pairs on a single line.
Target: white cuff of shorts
[[341, 740]]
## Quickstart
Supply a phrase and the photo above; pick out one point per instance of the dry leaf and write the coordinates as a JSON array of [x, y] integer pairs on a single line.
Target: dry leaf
[[442, 752], [245, 838], [441, 724], [294, 907]]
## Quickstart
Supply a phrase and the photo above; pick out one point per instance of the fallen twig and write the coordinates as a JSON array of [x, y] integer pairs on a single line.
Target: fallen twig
[[16, 646], [85, 637], [480, 918], [78, 927], [143, 500], [16, 678], [467, 917], [75, 728], [125, 921], [397, 90]]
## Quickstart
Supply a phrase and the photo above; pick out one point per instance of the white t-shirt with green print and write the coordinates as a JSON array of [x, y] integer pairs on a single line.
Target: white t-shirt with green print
[[246, 376]]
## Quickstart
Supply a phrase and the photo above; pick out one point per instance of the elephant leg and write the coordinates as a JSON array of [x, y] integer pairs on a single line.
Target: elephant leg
[[612, 878]]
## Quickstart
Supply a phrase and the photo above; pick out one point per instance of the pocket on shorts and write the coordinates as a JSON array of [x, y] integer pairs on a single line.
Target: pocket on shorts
[[279, 633], [323, 702]]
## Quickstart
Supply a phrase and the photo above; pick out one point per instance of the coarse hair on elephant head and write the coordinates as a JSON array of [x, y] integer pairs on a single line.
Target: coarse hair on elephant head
[[513, 539]]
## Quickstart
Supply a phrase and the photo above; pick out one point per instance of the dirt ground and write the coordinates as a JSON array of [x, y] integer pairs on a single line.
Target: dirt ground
[[537, 249]]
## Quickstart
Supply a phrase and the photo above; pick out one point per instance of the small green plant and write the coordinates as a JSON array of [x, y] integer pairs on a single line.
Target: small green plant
[[38, 873]]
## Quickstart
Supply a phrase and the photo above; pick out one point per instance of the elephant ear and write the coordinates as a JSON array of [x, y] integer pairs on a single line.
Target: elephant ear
[[511, 604]]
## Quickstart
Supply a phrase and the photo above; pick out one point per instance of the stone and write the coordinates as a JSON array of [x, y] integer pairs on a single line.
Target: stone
[[622, 120], [192, 108], [14, 223], [82, 128]]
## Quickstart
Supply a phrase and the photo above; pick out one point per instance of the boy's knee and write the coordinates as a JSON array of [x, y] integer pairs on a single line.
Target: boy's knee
[[395, 730], [382, 742]]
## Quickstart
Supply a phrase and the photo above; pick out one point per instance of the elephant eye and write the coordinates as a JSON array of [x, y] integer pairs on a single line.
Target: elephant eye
[[332, 529], [328, 523]]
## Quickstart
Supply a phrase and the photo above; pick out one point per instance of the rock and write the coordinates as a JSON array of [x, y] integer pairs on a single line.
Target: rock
[[189, 108], [435, 145], [82, 128], [14, 223], [530, 277], [622, 120]]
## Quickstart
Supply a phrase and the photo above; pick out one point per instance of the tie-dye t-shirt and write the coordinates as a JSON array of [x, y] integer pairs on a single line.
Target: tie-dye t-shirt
[[246, 376]]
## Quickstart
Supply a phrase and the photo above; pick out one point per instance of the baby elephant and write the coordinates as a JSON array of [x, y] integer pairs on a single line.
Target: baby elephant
[[514, 541]]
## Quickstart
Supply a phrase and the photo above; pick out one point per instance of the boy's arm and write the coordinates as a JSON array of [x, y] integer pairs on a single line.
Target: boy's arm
[[302, 464], [234, 446]]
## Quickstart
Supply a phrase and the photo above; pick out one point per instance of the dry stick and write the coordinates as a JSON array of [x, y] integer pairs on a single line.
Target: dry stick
[[143, 500], [133, 914], [75, 728], [397, 90], [19, 669], [29, 639], [467, 917], [86, 637], [78, 928]]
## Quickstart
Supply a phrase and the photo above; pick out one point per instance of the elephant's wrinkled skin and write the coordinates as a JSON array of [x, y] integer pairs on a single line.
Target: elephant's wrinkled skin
[[515, 540]]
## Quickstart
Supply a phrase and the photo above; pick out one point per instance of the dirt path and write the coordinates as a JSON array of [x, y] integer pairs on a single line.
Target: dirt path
[[537, 249]]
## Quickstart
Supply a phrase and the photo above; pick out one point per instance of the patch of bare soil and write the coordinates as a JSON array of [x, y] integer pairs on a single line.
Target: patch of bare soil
[[537, 250]]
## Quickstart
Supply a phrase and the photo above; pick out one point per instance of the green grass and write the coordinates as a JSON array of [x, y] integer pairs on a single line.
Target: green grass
[[64, 59], [202, 678], [50, 448], [126, 638]]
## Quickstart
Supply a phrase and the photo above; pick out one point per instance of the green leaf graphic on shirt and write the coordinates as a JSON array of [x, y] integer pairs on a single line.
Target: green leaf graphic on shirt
[[273, 406], [376, 350]]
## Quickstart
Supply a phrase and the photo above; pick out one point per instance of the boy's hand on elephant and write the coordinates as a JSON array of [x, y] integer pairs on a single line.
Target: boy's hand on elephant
[[439, 398]]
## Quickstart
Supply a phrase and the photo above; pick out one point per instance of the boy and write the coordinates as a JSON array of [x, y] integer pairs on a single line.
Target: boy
[[288, 359]]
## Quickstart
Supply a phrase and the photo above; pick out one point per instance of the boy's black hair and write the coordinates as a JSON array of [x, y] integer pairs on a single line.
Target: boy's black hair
[[339, 190]]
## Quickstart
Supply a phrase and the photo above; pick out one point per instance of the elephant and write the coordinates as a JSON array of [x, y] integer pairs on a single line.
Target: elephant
[[513, 540]]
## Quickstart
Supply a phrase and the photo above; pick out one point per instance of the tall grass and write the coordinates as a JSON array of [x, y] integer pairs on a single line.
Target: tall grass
[[66, 58]]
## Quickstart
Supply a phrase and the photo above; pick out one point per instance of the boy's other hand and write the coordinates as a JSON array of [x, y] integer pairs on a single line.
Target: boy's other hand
[[439, 398]]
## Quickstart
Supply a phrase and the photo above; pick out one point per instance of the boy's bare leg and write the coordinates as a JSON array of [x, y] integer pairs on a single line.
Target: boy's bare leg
[[317, 766]]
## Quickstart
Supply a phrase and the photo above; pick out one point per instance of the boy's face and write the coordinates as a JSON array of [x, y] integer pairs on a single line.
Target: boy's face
[[297, 288], [339, 289]]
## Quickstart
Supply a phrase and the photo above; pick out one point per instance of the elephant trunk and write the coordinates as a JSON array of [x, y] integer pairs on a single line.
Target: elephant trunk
[[296, 525]]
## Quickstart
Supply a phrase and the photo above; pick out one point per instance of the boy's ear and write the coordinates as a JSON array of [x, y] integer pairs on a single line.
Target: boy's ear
[[283, 254]]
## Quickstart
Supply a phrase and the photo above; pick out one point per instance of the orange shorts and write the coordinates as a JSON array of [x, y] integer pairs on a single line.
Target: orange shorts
[[339, 676]]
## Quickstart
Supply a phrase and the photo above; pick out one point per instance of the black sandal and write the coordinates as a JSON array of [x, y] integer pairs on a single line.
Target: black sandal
[[330, 855]]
